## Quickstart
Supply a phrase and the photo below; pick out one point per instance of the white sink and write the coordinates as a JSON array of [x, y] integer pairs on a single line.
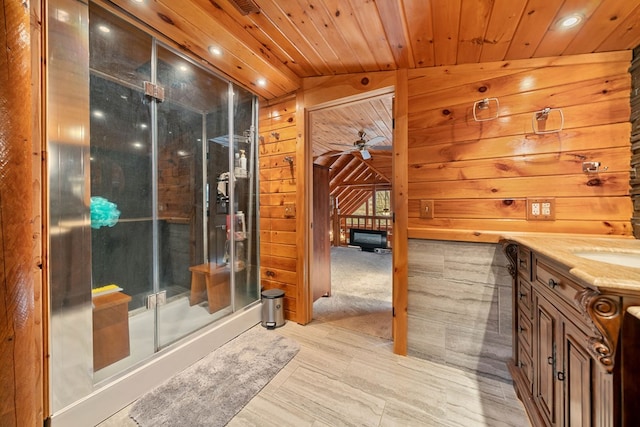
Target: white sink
[[625, 259]]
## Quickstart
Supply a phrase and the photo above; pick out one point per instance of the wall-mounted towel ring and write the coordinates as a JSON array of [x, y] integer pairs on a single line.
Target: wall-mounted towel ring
[[541, 117], [484, 105]]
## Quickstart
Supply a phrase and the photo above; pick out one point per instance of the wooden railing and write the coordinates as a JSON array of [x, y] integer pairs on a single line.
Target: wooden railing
[[343, 224]]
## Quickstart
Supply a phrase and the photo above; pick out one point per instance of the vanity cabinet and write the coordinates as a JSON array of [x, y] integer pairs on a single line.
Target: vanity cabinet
[[566, 347]]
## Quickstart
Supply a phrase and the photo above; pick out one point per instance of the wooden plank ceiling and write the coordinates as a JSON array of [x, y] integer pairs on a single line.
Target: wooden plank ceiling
[[270, 45], [284, 41]]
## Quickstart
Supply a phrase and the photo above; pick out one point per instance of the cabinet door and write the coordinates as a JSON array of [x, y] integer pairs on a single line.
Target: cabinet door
[[576, 376], [547, 334]]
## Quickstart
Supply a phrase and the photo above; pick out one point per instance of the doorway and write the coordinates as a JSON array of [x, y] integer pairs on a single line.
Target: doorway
[[352, 142]]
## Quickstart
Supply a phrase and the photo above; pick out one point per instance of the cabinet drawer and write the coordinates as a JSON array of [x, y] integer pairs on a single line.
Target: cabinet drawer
[[525, 333], [524, 262], [524, 297], [554, 283], [525, 364]]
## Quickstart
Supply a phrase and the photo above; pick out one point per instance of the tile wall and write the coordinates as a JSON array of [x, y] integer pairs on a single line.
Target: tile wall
[[459, 311]]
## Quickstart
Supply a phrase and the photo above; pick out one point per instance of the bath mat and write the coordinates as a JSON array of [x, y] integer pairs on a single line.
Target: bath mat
[[214, 389]]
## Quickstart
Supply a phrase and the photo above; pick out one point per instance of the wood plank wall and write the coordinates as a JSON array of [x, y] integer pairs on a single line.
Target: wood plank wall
[[176, 181], [479, 174], [278, 248], [20, 333]]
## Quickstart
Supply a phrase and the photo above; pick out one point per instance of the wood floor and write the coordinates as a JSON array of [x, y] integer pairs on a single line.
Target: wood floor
[[344, 378]]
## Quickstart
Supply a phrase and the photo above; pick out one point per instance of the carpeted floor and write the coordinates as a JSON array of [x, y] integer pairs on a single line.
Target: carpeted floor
[[361, 286], [213, 390]]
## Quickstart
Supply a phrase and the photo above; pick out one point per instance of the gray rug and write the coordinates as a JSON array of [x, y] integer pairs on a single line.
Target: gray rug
[[213, 390], [360, 298]]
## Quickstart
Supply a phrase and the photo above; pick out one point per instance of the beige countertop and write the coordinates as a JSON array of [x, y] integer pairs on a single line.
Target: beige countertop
[[602, 275]]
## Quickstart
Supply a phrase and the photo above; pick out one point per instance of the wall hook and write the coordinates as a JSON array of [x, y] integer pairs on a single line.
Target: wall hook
[[276, 135], [289, 159], [593, 167]]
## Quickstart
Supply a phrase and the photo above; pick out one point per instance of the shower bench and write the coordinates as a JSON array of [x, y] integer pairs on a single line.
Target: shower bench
[[210, 283]]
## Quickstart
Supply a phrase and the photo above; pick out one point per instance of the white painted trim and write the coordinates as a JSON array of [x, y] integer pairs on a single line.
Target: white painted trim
[[114, 396]]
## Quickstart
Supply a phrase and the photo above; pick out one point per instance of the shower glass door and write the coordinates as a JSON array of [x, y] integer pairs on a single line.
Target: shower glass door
[[121, 170], [152, 191], [194, 100]]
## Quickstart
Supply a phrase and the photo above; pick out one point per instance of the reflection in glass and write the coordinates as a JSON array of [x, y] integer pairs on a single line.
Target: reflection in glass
[[157, 161], [145, 196]]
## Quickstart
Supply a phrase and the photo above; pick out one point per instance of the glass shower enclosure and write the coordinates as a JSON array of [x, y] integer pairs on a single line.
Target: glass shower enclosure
[[152, 200]]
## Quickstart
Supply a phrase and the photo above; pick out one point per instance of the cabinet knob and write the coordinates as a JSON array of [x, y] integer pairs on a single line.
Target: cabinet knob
[[522, 294], [552, 283], [523, 263], [521, 328], [550, 360], [560, 376]]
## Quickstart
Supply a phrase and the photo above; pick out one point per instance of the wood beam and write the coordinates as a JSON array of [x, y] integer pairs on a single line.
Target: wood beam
[[20, 343]]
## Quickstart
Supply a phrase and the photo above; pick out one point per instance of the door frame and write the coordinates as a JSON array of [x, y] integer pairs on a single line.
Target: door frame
[[323, 92]]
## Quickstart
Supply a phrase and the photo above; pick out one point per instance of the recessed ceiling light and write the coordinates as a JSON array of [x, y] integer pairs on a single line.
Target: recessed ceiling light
[[104, 29], [98, 113], [261, 82], [215, 50], [138, 1], [137, 145], [143, 125], [183, 67], [570, 21]]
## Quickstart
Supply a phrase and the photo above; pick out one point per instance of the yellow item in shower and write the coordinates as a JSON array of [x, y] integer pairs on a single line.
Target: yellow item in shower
[[107, 289]]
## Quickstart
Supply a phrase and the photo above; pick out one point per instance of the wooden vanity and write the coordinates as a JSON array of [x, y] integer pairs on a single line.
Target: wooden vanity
[[575, 347]]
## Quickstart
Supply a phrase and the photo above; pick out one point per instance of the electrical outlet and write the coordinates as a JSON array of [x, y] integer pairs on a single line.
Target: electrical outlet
[[541, 209]]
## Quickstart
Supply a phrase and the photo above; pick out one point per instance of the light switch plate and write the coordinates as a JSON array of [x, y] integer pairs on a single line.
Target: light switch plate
[[289, 210], [426, 209]]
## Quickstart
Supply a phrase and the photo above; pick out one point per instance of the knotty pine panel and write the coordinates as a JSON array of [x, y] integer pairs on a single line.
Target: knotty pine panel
[[613, 208], [614, 160], [577, 116], [280, 263], [592, 185], [603, 227], [277, 275], [277, 199], [278, 248], [282, 237], [435, 79], [278, 224], [283, 146], [285, 172], [479, 174], [599, 89], [587, 138]]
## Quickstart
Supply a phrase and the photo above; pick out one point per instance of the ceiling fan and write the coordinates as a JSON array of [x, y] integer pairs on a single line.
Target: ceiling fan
[[362, 145]]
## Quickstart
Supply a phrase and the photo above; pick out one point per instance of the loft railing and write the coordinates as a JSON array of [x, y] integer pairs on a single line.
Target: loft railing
[[344, 223]]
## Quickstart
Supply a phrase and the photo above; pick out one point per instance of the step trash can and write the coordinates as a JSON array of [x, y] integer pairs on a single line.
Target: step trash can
[[272, 308]]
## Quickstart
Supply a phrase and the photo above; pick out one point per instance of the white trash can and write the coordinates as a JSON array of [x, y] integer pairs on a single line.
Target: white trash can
[[272, 308]]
